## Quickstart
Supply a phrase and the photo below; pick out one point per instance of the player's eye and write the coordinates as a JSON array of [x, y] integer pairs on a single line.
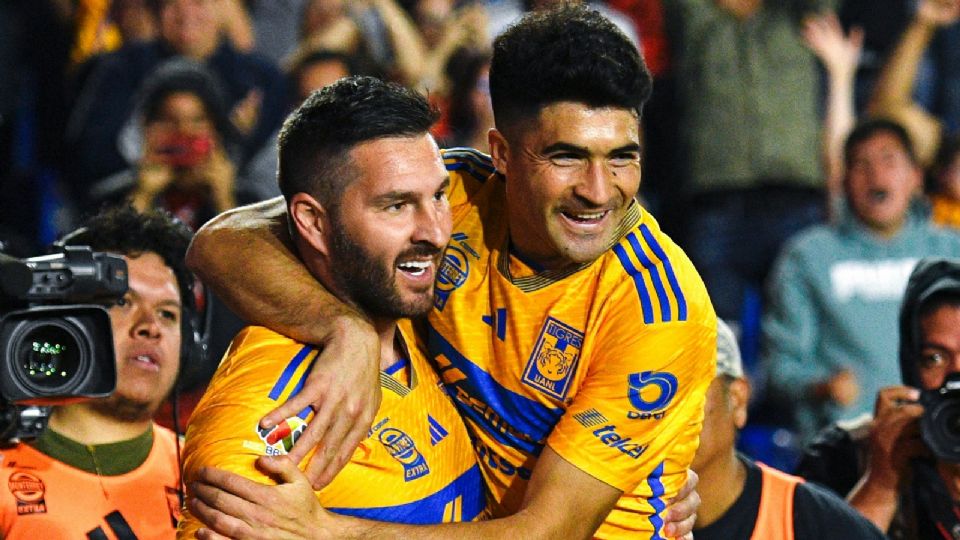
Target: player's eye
[[625, 159], [565, 158]]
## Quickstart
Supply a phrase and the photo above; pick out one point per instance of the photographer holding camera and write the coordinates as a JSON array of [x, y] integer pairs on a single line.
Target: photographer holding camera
[[179, 141], [103, 468], [907, 474]]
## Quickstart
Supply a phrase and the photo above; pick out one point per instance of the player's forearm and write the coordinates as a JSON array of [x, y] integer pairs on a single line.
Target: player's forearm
[[895, 86], [532, 527], [247, 258]]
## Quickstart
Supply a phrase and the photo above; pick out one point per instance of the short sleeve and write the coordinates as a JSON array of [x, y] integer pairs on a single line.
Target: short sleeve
[[637, 415], [256, 375]]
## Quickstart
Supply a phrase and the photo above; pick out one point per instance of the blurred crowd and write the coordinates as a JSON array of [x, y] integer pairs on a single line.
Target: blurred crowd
[[805, 153]]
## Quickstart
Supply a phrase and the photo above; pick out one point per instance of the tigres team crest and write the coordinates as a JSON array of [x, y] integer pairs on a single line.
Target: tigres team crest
[[29, 491], [281, 438], [554, 359]]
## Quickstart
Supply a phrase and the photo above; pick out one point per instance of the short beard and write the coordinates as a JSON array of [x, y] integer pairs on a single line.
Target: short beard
[[123, 409], [368, 283]]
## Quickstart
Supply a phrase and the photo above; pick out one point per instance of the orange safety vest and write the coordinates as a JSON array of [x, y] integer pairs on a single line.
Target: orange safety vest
[[775, 516]]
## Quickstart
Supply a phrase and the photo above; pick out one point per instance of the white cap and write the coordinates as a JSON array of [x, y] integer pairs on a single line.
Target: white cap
[[728, 352]]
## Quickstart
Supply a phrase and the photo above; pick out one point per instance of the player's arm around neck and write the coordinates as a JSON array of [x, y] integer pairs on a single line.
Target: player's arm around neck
[[247, 257]]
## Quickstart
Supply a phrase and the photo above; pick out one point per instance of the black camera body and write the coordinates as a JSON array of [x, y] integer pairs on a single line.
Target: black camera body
[[56, 341], [940, 423]]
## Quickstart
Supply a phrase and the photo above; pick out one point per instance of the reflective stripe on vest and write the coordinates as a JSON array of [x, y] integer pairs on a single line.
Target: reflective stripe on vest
[[775, 515]]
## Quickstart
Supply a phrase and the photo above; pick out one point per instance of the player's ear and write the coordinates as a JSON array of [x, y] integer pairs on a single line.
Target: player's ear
[[499, 149], [739, 392], [310, 221]]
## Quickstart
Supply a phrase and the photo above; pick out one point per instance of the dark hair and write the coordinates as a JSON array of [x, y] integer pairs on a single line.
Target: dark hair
[[937, 300], [568, 53], [125, 231], [463, 72], [316, 138], [868, 129], [183, 75], [301, 62], [948, 151]]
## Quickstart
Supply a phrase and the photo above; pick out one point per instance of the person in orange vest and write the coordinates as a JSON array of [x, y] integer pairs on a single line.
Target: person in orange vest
[[745, 499], [103, 468]]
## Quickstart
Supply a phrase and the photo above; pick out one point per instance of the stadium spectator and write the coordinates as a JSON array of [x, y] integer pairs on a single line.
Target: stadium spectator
[[469, 115], [253, 87], [756, 501], [748, 98], [379, 33], [102, 467], [830, 332], [182, 146], [885, 465], [307, 72], [893, 95], [943, 184]]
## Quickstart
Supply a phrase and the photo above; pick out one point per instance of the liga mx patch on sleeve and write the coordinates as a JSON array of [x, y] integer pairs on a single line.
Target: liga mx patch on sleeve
[[554, 359]]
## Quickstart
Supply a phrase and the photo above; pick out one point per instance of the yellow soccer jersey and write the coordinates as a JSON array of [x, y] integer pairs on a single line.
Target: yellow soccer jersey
[[416, 465], [607, 363]]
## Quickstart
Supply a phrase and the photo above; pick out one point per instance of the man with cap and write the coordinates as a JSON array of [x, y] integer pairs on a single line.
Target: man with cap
[[744, 499]]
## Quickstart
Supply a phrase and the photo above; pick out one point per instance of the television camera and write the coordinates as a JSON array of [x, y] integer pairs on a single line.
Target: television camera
[[56, 342]]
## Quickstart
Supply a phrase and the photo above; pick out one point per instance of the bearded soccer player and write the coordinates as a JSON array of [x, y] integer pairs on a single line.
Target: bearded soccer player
[[103, 468], [575, 337], [366, 192]]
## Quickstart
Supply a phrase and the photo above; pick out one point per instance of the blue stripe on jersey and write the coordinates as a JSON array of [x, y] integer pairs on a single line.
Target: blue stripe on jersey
[[671, 276], [654, 276], [397, 366], [510, 418], [479, 159], [437, 431], [645, 304], [296, 390], [431, 509], [288, 372], [656, 501]]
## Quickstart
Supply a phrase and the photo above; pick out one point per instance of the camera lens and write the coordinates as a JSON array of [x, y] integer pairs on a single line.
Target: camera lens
[[951, 424], [48, 357]]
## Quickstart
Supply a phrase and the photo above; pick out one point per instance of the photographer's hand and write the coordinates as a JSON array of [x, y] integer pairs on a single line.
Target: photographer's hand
[[894, 440], [154, 175], [219, 174]]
